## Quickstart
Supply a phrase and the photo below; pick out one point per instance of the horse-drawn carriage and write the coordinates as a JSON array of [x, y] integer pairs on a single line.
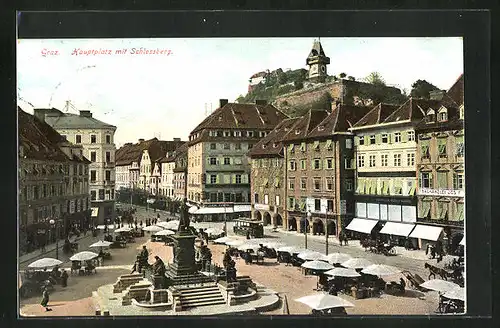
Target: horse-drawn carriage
[[449, 271], [378, 247]]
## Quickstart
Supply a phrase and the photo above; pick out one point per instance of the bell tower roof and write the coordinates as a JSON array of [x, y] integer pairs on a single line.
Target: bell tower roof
[[317, 54]]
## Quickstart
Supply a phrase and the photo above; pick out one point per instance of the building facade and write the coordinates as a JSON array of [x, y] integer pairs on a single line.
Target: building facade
[[218, 166], [167, 176], [97, 140], [53, 184], [441, 167], [267, 182], [180, 172]]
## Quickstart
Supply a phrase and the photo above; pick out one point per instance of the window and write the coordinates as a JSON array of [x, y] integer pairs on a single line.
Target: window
[[227, 133], [397, 159], [329, 163], [317, 205], [384, 159], [361, 160], [93, 138], [461, 114], [238, 178], [410, 159], [101, 194], [266, 199], [348, 184], [237, 146], [443, 117], [227, 146], [292, 166], [93, 175], [249, 133], [385, 138], [213, 178], [317, 184], [256, 198], [277, 200], [250, 146], [78, 139], [213, 161], [213, 146], [458, 181], [108, 157], [348, 143], [227, 161], [442, 180], [93, 195], [348, 163], [442, 147], [237, 133], [291, 183], [291, 202], [303, 164], [303, 183], [316, 164], [411, 135], [372, 140], [329, 205], [64, 136], [361, 141], [397, 137], [92, 156], [262, 134], [220, 133], [329, 184], [108, 139], [372, 161], [425, 180]]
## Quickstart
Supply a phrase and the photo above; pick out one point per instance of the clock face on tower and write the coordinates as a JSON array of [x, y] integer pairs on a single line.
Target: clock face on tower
[[323, 69]]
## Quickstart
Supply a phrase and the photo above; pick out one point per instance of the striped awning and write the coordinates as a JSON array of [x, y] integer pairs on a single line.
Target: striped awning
[[362, 225]]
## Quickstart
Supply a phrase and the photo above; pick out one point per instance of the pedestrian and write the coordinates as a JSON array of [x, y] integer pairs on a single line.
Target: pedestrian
[[64, 278], [141, 224], [45, 299]]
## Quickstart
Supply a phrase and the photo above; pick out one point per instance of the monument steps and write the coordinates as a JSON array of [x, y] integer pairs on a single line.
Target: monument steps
[[200, 296]]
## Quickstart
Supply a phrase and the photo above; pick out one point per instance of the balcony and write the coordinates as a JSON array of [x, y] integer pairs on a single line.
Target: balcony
[[109, 182], [109, 164], [444, 222]]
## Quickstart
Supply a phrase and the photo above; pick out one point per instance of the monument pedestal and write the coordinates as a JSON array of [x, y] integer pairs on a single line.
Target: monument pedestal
[[183, 248]]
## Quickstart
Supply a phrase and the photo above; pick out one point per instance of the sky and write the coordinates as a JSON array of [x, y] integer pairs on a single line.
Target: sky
[[166, 95]]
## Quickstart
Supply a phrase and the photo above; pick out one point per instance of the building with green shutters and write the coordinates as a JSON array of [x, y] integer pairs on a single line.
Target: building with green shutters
[[440, 167]]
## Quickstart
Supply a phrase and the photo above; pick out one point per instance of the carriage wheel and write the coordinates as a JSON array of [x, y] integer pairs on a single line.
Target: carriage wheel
[[392, 251], [431, 275]]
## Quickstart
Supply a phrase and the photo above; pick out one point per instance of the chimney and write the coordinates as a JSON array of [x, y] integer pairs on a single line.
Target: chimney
[[85, 113], [141, 140], [177, 139], [222, 102], [261, 102]]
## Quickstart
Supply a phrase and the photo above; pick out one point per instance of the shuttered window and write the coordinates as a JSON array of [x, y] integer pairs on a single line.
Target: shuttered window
[[459, 146], [423, 209], [442, 147], [442, 180], [460, 211], [424, 149]]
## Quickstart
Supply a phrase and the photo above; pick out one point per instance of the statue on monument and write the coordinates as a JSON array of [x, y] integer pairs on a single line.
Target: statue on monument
[[184, 220]]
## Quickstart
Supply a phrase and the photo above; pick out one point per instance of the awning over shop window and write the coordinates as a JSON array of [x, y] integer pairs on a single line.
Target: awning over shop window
[[426, 232], [222, 210], [397, 229], [362, 225], [95, 212]]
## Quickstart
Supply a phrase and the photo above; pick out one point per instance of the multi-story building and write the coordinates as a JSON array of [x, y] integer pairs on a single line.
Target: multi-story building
[[53, 184], [97, 139], [218, 166], [267, 182], [180, 172], [385, 147], [440, 169], [167, 175], [135, 162]]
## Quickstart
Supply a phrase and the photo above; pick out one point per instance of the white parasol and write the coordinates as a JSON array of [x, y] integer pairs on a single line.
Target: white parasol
[[46, 262], [455, 294], [323, 301], [380, 270], [234, 242], [311, 256], [317, 265], [356, 263], [290, 249], [102, 227], [439, 285], [214, 231], [123, 229], [222, 240], [342, 272], [152, 228], [84, 256], [165, 233], [246, 246], [101, 243], [336, 258], [274, 245], [163, 224]]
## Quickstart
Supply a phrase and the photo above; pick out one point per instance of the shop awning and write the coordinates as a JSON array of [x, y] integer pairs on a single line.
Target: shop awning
[[462, 242], [95, 212], [193, 209], [426, 232], [397, 229], [242, 208], [222, 210], [362, 225]]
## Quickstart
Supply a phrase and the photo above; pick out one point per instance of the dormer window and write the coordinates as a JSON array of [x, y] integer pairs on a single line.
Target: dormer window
[[275, 145], [321, 128], [227, 133], [461, 112], [443, 115], [297, 131], [430, 116]]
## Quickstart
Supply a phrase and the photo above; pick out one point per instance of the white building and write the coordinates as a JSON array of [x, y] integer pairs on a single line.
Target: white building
[[167, 176], [97, 139]]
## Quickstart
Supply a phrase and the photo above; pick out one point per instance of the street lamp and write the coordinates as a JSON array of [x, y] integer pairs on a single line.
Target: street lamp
[[326, 232], [56, 226], [308, 216]]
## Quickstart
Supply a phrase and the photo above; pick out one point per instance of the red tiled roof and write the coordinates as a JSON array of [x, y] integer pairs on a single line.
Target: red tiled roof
[[242, 116], [271, 144], [340, 119], [156, 148], [452, 123], [39, 140], [305, 124], [377, 115], [455, 95]]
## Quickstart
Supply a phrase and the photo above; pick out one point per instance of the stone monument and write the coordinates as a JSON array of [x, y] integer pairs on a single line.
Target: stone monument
[[183, 248]]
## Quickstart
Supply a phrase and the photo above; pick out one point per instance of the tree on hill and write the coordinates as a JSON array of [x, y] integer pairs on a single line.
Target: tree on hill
[[422, 89], [342, 75], [375, 78]]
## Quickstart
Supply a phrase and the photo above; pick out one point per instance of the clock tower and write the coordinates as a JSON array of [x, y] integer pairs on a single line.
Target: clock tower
[[317, 61]]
